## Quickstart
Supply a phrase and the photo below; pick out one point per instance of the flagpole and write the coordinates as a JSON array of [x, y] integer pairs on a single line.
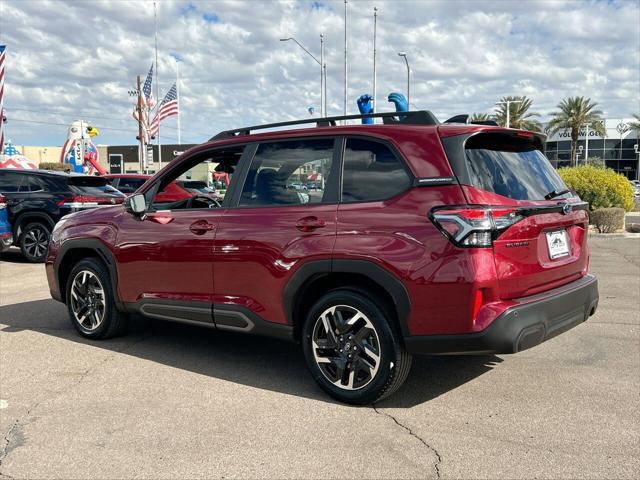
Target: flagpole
[[155, 19], [178, 96]]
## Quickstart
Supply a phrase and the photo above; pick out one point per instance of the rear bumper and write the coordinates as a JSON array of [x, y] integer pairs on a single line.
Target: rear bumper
[[535, 320]]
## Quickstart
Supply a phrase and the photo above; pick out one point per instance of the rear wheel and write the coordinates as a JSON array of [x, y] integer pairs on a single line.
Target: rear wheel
[[91, 301], [353, 350], [34, 241]]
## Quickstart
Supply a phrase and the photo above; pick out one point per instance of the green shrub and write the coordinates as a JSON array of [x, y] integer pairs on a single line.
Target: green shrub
[[60, 167], [601, 187], [595, 162], [608, 220]]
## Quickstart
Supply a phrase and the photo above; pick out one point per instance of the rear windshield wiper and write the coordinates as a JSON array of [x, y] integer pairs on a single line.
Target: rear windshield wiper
[[555, 193]]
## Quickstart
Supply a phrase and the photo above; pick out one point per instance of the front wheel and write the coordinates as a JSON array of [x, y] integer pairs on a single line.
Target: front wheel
[[354, 352], [91, 301]]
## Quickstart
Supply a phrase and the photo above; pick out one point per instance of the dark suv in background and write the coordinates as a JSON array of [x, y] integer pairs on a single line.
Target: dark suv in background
[[420, 238], [36, 200]]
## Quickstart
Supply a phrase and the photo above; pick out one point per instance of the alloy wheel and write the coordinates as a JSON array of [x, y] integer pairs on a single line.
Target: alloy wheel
[[87, 300], [346, 347], [36, 241]]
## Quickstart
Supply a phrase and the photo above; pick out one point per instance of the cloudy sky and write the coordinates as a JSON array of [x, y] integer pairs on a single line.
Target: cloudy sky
[[71, 60]]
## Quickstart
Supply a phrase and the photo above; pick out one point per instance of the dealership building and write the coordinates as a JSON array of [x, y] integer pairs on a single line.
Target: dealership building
[[619, 149]]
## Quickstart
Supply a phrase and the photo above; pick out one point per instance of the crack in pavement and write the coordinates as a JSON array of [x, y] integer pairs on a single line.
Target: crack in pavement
[[436, 465], [9, 437]]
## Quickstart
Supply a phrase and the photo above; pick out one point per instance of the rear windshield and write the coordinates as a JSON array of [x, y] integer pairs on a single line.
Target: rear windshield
[[91, 186], [511, 167]]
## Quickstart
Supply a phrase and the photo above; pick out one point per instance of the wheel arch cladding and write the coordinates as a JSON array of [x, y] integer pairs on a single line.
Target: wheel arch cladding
[[313, 279], [72, 251], [28, 217]]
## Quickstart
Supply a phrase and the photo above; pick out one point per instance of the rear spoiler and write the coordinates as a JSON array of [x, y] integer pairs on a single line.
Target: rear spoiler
[[465, 118]]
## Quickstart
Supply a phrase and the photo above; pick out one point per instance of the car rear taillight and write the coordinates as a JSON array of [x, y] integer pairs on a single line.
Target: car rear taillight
[[85, 201], [3, 202], [474, 226]]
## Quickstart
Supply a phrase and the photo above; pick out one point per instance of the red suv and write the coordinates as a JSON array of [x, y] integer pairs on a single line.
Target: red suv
[[420, 238]]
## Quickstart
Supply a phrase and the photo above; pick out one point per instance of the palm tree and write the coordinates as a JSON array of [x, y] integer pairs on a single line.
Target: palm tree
[[519, 117], [635, 125], [573, 114], [480, 117]]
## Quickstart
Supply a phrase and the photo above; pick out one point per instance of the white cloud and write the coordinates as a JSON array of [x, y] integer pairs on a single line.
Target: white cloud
[[72, 60]]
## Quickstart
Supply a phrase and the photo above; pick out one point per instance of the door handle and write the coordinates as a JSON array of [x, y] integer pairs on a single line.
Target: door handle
[[201, 227], [309, 224]]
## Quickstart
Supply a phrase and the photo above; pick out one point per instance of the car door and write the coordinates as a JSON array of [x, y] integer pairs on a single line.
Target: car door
[[166, 256], [270, 230]]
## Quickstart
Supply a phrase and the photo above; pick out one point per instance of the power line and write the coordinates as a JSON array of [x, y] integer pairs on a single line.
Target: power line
[[100, 117]]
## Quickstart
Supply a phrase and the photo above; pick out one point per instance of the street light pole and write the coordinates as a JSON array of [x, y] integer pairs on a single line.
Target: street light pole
[[375, 26], [319, 62], [323, 98], [508, 103], [404, 55], [345, 59]]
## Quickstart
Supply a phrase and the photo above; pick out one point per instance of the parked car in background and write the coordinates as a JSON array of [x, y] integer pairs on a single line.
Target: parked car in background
[[426, 238], [128, 183], [6, 235], [36, 200], [198, 187], [635, 184]]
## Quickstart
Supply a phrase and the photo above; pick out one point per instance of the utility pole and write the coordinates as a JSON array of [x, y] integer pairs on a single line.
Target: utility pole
[[155, 21], [142, 154], [375, 26]]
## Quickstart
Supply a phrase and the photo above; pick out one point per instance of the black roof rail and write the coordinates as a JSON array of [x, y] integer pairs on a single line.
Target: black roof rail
[[465, 118], [418, 117]]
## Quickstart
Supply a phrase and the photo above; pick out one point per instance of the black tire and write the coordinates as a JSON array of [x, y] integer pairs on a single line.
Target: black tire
[[394, 362], [112, 322], [34, 241]]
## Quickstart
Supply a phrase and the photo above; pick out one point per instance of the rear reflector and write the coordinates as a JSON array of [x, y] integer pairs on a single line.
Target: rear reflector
[[474, 226]]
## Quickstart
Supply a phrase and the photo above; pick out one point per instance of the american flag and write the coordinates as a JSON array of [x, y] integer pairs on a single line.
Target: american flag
[[147, 105], [2, 55], [170, 105]]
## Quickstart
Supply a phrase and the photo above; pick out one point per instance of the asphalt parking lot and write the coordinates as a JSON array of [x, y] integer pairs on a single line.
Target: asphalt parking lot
[[170, 401]]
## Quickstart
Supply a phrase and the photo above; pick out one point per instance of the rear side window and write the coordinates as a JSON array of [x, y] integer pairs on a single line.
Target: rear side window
[[289, 173], [90, 186], [511, 167], [130, 185], [371, 172]]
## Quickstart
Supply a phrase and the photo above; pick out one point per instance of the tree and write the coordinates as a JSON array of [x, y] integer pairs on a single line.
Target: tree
[[480, 117], [635, 125], [519, 116], [574, 113]]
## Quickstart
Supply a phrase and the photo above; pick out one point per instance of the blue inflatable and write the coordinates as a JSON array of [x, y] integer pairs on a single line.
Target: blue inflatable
[[365, 105]]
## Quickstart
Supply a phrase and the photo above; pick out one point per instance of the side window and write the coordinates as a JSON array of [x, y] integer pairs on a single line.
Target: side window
[[10, 182], [289, 173], [36, 184], [371, 172], [199, 169]]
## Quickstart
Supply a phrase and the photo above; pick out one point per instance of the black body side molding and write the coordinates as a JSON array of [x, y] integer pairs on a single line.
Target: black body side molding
[[315, 268]]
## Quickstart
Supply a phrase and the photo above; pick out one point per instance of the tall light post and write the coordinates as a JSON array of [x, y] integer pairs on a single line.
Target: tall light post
[[375, 26], [319, 62], [508, 103], [404, 55], [345, 59]]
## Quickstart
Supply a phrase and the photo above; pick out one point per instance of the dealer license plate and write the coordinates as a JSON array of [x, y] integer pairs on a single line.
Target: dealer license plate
[[558, 244]]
